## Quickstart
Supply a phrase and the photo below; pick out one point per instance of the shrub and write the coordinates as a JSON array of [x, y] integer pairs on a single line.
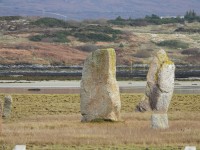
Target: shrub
[[173, 44], [50, 22], [36, 38], [60, 37], [193, 30], [121, 45], [85, 37]]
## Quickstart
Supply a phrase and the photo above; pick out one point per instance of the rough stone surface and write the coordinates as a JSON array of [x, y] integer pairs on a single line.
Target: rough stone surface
[[159, 121], [160, 84], [7, 106], [100, 97], [20, 147], [190, 148], [143, 105]]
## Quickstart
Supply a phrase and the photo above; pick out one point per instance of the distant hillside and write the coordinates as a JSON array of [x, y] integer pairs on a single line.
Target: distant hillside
[[87, 9]]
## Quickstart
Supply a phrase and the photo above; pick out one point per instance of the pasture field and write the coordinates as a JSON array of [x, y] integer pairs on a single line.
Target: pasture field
[[48, 122]]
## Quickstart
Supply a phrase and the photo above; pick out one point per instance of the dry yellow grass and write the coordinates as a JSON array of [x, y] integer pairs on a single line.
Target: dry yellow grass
[[68, 130], [33, 105], [53, 122]]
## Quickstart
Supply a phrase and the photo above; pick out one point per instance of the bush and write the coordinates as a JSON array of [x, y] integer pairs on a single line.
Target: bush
[[95, 37], [181, 29], [173, 44], [50, 22], [60, 37], [88, 48], [36, 38]]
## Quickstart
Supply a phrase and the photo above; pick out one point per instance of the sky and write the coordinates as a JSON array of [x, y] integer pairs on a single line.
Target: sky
[[95, 9]]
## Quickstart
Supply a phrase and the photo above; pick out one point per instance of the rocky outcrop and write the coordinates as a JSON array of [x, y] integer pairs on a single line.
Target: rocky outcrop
[[100, 97], [7, 106]]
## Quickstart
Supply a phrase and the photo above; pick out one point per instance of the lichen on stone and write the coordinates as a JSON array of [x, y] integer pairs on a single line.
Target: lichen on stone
[[100, 98]]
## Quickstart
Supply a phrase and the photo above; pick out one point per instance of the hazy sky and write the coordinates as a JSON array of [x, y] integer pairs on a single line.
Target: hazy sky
[[81, 9]]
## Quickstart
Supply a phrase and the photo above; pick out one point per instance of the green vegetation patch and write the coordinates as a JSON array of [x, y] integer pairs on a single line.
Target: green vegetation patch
[[95, 37], [10, 18], [173, 44], [148, 20], [59, 36], [49, 22], [96, 33], [90, 33]]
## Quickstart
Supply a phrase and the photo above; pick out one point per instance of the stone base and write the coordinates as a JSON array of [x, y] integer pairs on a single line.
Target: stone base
[[159, 121]]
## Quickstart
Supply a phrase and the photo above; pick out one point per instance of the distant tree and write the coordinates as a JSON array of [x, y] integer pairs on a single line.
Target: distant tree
[[119, 18], [191, 16]]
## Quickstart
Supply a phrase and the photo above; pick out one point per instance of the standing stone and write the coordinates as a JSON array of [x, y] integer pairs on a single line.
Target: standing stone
[[100, 97], [159, 89], [160, 84], [7, 106], [159, 121]]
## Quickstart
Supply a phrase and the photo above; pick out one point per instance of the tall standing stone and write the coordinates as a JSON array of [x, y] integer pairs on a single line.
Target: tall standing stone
[[100, 97], [7, 106], [160, 85]]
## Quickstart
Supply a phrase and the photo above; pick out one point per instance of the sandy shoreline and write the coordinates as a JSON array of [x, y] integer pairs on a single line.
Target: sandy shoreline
[[73, 87]]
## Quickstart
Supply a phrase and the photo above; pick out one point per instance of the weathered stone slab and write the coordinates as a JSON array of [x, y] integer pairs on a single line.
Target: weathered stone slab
[[159, 121], [160, 84], [20, 147], [100, 97], [143, 105], [7, 106]]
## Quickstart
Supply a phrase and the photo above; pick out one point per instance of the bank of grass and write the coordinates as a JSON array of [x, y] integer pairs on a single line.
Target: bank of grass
[[53, 122]]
